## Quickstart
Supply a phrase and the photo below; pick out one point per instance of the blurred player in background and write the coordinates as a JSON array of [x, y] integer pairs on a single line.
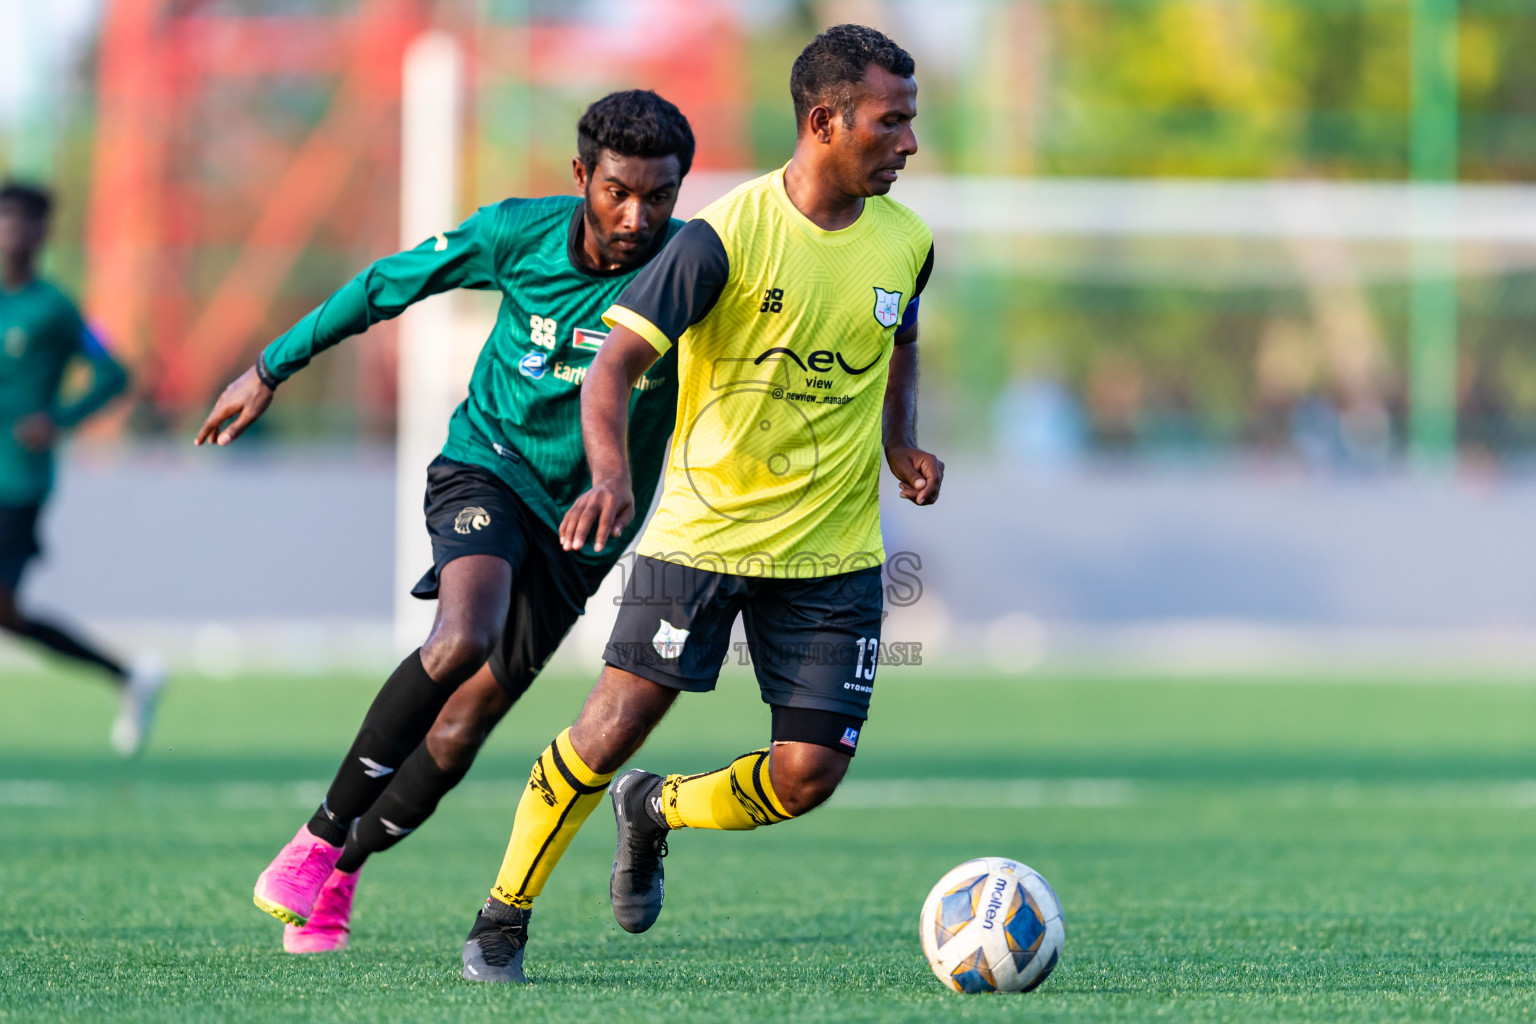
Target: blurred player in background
[[507, 593], [41, 334], [791, 305]]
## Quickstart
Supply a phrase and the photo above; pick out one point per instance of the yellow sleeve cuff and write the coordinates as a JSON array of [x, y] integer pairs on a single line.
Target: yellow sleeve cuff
[[620, 316]]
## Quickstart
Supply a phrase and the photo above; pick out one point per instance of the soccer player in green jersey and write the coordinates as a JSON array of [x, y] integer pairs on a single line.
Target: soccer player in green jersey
[[791, 307], [507, 592], [41, 333]]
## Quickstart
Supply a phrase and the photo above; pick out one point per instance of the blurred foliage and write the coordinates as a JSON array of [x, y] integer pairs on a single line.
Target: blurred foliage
[[1181, 88], [1163, 359]]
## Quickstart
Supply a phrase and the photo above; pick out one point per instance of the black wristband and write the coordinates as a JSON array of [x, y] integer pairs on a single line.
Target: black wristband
[[264, 371]]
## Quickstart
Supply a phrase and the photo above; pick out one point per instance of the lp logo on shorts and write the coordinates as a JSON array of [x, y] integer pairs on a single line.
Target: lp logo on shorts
[[669, 640], [472, 518], [850, 738]]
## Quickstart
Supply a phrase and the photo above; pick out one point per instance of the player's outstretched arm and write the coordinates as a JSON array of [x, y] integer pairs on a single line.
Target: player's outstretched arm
[[921, 473], [241, 404], [610, 504], [462, 258]]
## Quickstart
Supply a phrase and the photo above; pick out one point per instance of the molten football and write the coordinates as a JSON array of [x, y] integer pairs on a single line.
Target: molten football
[[992, 925]]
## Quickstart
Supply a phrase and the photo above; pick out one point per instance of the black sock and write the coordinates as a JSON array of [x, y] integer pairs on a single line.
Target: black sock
[[395, 725], [60, 642], [409, 800]]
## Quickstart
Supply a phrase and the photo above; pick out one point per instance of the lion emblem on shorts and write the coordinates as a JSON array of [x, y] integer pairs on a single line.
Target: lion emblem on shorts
[[472, 518]]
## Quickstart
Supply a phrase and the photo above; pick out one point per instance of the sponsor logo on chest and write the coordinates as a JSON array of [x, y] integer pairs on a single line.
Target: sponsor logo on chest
[[541, 331], [532, 365]]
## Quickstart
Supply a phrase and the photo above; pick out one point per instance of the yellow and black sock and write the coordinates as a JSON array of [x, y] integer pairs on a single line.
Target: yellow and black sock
[[561, 792], [737, 797]]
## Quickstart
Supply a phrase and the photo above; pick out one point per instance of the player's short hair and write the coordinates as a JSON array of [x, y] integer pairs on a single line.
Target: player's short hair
[[36, 202], [636, 122], [835, 61]]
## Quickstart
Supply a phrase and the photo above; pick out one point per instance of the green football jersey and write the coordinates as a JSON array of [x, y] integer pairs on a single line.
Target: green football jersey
[[522, 417], [40, 332]]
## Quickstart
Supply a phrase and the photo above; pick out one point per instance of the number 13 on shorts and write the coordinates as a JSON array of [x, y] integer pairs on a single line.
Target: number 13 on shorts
[[870, 646]]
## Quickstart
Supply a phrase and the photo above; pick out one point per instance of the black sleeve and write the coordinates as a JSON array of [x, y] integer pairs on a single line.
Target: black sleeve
[[909, 318], [922, 275], [680, 286]]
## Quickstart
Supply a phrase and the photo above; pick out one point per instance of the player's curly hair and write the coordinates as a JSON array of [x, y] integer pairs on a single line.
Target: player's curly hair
[[835, 61], [636, 122], [34, 201]]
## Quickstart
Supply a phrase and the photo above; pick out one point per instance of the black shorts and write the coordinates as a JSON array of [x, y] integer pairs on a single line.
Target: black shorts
[[18, 542], [813, 642], [472, 511]]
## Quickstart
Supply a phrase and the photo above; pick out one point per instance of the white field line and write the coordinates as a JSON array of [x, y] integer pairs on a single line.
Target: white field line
[[32, 793], [860, 794]]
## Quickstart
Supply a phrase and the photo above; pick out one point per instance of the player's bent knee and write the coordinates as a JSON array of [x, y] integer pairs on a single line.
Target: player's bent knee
[[619, 714], [456, 655], [453, 744], [604, 738], [604, 744], [804, 775], [807, 794]]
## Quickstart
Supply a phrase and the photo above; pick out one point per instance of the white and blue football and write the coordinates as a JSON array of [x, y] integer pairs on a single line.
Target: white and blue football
[[992, 925]]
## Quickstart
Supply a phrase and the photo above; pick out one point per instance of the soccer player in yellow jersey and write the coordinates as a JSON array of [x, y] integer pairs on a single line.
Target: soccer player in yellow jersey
[[792, 303]]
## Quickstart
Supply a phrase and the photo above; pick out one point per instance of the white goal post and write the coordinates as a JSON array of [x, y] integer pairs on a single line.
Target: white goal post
[[428, 386]]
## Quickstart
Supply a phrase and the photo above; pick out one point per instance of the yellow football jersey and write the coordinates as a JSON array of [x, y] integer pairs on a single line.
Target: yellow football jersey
[[784, 334]]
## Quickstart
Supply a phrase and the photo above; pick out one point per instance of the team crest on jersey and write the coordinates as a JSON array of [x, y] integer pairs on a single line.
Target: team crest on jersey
[[887, 307], [589, 340], [669, 640], [15, 342], [472, 518], [533, 365]]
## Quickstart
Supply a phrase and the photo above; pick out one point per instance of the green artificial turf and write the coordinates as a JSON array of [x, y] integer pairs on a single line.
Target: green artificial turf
[[1224, 851]]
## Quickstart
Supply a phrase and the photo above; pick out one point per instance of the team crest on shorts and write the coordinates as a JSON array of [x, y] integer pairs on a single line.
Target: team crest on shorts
[[472, 518], [887, 307], [669, 640]]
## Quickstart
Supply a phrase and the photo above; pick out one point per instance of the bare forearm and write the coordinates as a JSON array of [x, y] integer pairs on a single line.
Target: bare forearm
[[624, 358], [605, 420], [900, 415]]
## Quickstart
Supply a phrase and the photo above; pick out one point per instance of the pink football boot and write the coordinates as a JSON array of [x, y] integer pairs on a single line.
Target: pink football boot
[[289, 887], [330, 922]]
